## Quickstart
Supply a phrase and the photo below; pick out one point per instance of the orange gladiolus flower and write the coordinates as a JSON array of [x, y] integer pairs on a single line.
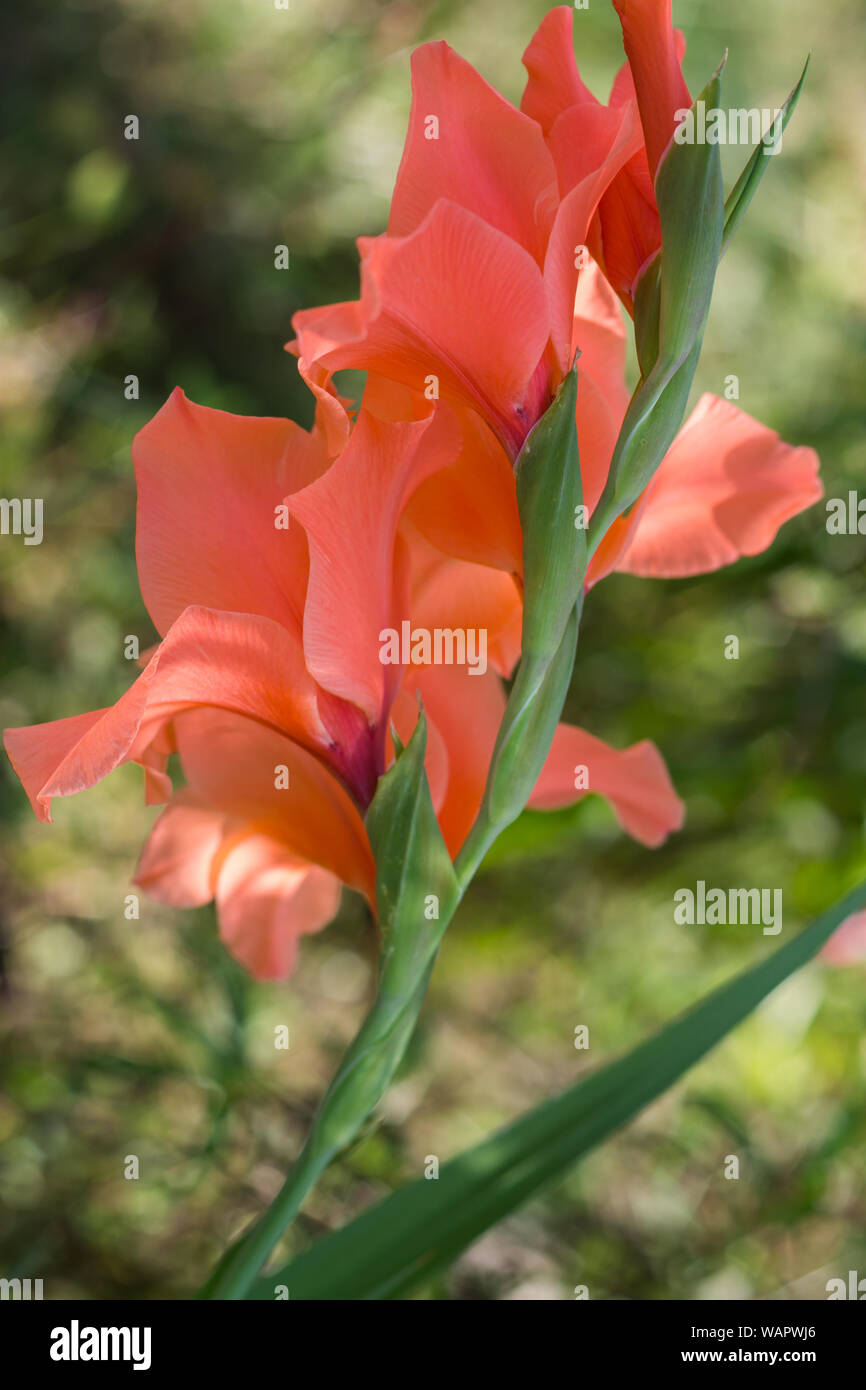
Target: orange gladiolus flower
[[268, 682], [473, 294], [471, 291], [723, 490], [267, 673], [492, 214]]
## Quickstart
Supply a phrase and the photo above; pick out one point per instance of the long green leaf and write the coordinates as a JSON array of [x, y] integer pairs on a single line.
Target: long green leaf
[[423, 1227]]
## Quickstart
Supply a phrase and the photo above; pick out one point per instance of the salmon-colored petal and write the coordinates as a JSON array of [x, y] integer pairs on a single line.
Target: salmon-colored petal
[[479, 328], [177, 863], [233, 661], [623, 89], [634, 780], [351, 515], [482, 603], [469, 508], [226, 660], [723, 490], [324, 327], [209, 484], [615, 542], [37, 752], [266, 897], [468, 144], [553, 83], [157, 782], [597, 429], [652, 53], [466, 712], [266, 902], [242, 770], [321, 331], [626, 231], [590, 146], [332, 424], [391, 400], [847, 945], [599, 336]]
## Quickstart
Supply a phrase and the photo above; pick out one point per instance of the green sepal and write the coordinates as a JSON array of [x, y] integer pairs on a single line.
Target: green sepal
[[646, 316], [533, 712], [412, 861], [550, 502]]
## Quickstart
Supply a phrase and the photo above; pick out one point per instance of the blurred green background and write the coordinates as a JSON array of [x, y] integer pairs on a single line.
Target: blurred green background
[[156, 257]]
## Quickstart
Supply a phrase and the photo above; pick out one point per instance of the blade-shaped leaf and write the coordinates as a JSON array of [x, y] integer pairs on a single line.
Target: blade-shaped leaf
[[423, 1227]]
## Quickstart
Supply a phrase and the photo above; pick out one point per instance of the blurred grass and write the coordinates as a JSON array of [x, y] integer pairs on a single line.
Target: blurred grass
[[155, 257]]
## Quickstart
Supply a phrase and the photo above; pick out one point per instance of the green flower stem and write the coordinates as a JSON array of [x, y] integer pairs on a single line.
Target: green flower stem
[[362, 1078], [417, 887], [369, 1065], [522, 745]]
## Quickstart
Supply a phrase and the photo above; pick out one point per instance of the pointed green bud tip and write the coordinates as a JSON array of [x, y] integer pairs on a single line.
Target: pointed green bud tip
[[550, 502], [746, 186]]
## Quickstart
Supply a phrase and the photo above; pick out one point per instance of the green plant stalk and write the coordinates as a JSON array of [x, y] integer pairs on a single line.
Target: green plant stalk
[[361, 1080], [368, 1066], [410, 857], [412, 864], [533, 711]]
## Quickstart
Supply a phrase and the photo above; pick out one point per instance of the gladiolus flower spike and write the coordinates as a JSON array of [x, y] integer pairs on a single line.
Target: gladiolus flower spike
[[496, 470]]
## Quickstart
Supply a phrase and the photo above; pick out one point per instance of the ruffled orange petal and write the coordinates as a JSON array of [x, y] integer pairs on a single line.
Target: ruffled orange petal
[[351, 516], [177, 863], [553, 82], [634, 780], [266, 902], [651, 49], [723, 490], [465, 711], [479, 329], [481, 153], [226, 660], [209, 484], [239, 769]]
